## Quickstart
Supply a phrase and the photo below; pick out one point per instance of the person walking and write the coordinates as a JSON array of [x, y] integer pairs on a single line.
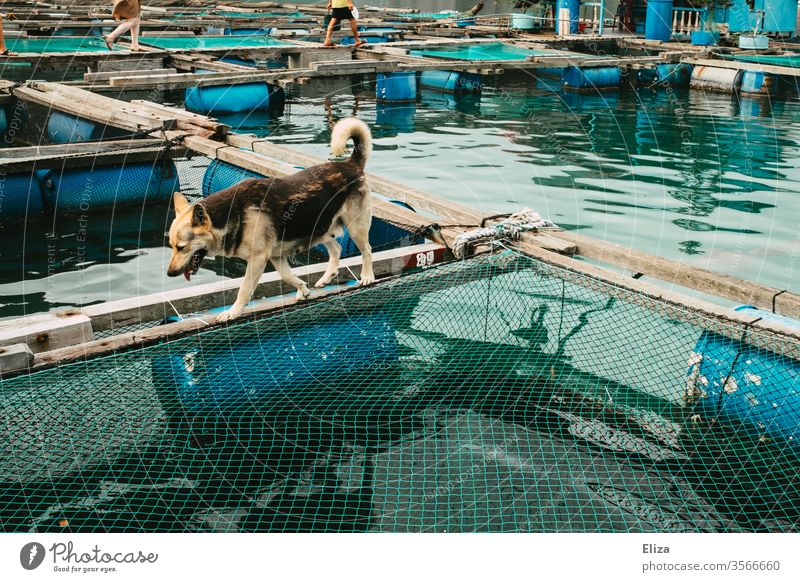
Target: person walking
[[131, 12], [4, 52], [342, 10]]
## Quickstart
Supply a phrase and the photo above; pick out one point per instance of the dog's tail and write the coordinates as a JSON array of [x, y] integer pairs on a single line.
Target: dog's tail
[[362, 140]]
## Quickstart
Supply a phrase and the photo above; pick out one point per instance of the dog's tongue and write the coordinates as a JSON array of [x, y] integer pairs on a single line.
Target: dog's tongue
[[188, 272]]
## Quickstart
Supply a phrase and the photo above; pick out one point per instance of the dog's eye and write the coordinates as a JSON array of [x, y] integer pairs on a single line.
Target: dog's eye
[[180, 247]]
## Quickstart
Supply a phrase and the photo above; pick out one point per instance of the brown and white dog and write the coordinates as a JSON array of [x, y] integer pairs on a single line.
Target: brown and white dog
[[273, 218]]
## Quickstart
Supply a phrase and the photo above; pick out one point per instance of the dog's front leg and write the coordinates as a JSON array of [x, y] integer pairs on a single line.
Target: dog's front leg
[[255, 268], [285, 271]]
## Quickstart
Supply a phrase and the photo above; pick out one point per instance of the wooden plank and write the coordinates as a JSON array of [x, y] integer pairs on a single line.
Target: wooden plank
[[743, 66], [182, 80], [713, 283], [106, 75], [45, 151], [198, 298], [48, 331], [184, 119], [15, 357], [78, 160], [116, 115]]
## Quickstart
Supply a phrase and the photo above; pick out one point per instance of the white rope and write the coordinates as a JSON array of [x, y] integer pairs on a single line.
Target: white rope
[[509, 229]]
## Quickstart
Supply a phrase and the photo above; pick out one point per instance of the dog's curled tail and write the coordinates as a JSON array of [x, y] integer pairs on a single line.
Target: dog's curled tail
[[362, 140]]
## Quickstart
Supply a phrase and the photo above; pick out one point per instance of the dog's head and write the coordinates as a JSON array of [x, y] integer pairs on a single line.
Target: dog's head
[[190, 237]]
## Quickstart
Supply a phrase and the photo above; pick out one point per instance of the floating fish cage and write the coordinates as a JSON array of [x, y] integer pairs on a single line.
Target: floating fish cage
[[364, 411]]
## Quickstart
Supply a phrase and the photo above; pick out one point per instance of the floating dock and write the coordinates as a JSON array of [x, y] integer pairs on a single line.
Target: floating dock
[[549, 344]]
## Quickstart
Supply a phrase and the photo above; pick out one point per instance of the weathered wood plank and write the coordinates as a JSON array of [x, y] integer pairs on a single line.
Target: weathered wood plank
[[743, 66], [48, 331]]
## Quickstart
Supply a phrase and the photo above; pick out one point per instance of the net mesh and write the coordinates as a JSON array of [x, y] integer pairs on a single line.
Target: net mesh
[[494, 394]]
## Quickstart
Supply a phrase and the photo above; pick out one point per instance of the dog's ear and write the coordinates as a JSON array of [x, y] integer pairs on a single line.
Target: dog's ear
[[180, 202], [199, 216]]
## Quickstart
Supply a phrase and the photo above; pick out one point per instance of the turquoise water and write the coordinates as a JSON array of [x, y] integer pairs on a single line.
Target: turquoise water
[[58, 44], [495, 51], [213, 42], [707, 179]]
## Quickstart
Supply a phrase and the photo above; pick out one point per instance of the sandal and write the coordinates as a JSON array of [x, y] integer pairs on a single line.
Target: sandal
[[360, 43], [329, 45], [109, 43]]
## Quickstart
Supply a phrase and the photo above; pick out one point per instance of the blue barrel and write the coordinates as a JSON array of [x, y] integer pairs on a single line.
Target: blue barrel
[[63, 128], [239, 61], [233, 98], [450, 81], [220, 175], [400, 116], [669, 74], [747, 385], [84, 189], [574, 7], [469, 21], [399, 87], [704, 38], [658, 20], [587, 78], [239, 375], [382, 237], [20, 197], [758, 83], [550, 72]]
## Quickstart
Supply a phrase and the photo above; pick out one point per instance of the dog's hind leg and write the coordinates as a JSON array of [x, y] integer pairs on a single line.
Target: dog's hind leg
[[334, 254], [285, 272], [358, 227], [255, 268]]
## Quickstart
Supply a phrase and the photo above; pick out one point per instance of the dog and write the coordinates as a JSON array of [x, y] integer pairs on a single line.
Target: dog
[[273, 218]]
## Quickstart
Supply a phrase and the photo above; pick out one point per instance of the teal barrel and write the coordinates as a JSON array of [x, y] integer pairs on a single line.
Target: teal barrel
[[20, 197], [220, 175], [658, 20], [397, 87], [400, 116], [746, 385], [63, 128], [233, 98], [667, 74], [234, 373], [758, 83], [3, 120], [85, 189], [450, 81], [587, 78], [574, 7]]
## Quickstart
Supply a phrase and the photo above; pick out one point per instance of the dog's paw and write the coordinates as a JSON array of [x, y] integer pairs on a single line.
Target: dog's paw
[[303, 293], [228, 314], [324, 280], [368, 279]]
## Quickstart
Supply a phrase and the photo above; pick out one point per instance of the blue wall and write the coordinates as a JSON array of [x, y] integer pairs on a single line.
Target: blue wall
[[780, 15]]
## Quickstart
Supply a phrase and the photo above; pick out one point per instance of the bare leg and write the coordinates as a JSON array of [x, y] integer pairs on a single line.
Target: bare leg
[[354, 28], [334, 254], [255, 268], [135, 33], [328, 34], [285, 271], [120, 30], [2, 38], [359, 232]]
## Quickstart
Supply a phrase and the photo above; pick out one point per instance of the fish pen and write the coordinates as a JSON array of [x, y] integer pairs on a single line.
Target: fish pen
[[502, 375]]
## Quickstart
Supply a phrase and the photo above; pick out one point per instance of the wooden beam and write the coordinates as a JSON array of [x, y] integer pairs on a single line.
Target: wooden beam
[[106, 75], [669, 271], [745, 66]]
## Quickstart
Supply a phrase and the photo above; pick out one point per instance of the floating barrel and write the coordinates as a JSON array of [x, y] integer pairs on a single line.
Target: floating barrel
[[586, 78], [3, 120], [574, 7], [450, 81], [85, 189], [220, 175], [751, 386], [658, 20], [396, 86], [239, 61], [668, 74], [716, 79], [233, 98], [400, 116], [523, 22], [20, 197], [758, 83], [64, 128], [469, 21], [234, 377]]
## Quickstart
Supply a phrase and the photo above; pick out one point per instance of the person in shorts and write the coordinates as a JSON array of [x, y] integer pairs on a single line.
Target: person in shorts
[[342, 10]]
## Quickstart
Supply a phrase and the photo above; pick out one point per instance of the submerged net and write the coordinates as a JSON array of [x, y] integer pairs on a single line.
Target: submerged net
[[494, 394]]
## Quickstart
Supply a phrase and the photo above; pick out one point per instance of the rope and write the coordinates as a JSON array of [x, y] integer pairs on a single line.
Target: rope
[[511, 229]]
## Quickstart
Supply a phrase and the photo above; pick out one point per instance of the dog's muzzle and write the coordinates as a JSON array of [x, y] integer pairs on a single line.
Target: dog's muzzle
[[192, 266]]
